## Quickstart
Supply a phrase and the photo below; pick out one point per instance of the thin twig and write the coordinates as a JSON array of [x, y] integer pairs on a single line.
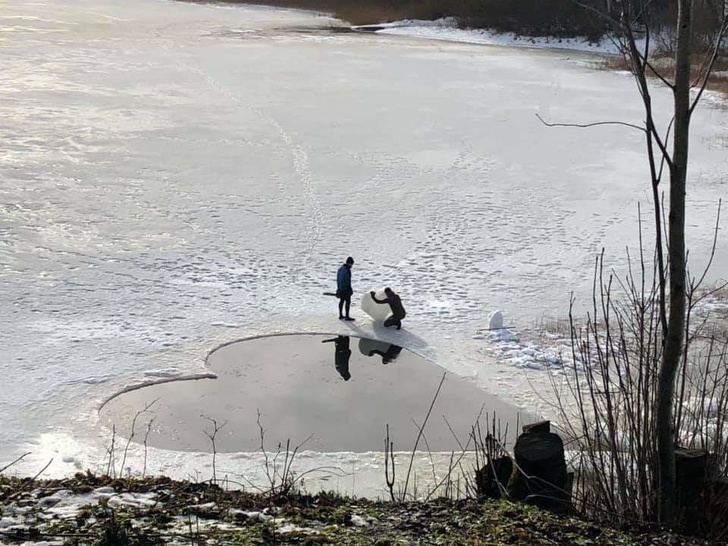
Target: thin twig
[[212, 436], [30, 482], [23, 456], [588, 125], [421, 431], [389, 458]]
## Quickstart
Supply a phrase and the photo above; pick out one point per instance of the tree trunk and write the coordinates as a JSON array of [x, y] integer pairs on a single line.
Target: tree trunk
[[673, 343]]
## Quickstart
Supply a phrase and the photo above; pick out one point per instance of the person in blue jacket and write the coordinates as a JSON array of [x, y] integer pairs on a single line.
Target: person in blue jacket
[[343, 288]]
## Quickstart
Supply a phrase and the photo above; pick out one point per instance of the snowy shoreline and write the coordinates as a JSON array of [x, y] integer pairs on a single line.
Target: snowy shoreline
[[447, 29]]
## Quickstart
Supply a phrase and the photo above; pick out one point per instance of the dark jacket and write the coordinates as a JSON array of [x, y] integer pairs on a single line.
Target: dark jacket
[[343, 281], [395, 304]]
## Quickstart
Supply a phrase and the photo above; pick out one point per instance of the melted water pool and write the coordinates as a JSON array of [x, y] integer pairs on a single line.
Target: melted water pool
[[334, 393]]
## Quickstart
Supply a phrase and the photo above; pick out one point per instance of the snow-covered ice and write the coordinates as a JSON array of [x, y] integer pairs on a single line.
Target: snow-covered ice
[[177, 176]]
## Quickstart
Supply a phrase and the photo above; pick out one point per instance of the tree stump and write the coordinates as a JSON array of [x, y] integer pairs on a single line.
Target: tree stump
[[690, 472], [540, 476], [539, 427]]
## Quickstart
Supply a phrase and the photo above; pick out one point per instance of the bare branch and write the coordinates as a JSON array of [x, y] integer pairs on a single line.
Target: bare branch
[[133, 433], [645, 55], [389, 457], [665, 159], [659, 76], [587, 125], [23, 456], [212, 436], [421, 432], [712, 248], [28, 483], [638, 63], [613, 22], [713, 58]]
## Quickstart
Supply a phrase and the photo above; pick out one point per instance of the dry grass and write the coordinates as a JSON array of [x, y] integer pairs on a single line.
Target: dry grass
[[720, 293], [664, 65], [719, 83]]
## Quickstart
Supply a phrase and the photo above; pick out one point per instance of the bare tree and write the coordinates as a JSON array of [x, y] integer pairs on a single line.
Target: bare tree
[[673, 283], [673, 344], [691, 63]]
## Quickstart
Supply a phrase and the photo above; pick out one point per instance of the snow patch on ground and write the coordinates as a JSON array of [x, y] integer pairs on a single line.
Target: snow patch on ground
[[506, 346], [711, 305]]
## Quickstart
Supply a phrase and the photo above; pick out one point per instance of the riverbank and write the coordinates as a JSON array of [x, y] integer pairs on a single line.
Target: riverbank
[[561, 18], [88, 509]]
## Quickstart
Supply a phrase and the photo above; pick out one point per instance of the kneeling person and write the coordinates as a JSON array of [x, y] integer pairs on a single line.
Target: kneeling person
[[395, 304]]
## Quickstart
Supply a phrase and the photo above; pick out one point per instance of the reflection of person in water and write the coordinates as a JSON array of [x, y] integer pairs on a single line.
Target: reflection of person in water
[[390, 354], [371, 347], [342, 353]]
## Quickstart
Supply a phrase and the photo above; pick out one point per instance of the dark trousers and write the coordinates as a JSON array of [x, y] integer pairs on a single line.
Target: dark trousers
[[393, 321], [344, 302]]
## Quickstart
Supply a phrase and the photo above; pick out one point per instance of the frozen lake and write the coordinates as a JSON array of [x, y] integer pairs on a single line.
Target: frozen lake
[[175, 176]]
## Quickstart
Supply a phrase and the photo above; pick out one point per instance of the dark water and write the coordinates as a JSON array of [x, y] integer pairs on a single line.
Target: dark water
[[336, 393]]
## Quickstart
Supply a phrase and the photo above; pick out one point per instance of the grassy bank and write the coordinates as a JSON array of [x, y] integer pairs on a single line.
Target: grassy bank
[[95, 510]]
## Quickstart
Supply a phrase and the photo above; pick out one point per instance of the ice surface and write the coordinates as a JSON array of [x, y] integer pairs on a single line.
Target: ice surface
[[172, 178]]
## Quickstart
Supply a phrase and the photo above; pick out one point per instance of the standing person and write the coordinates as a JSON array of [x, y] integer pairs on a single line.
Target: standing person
[[395, 304], [343, 288]]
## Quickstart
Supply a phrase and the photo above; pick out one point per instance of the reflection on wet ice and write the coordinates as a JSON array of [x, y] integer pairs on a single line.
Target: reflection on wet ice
[[371, 347]]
